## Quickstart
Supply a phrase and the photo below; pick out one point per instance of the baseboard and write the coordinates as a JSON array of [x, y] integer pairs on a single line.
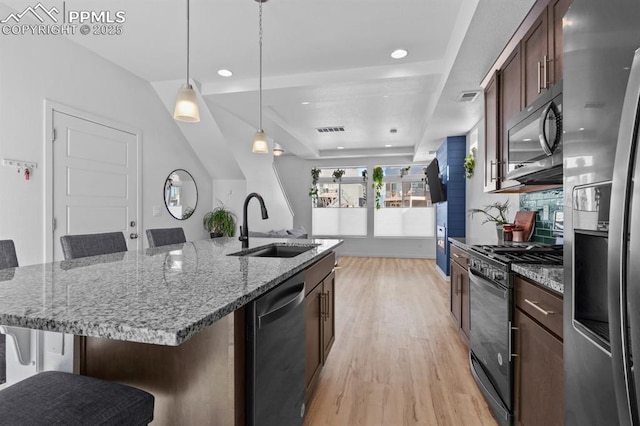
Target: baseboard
[[442, 274]]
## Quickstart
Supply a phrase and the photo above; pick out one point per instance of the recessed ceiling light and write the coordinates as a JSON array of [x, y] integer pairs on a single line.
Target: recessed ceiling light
[[385, 96], [340, 147], [305, 103], [581, 128], [527, 140], [388, 146], [399, 54], [225, 73]]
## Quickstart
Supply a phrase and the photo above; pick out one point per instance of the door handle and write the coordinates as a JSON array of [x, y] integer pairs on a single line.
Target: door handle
[[545, 72], [539, 71], [133, 236], [491, 177]]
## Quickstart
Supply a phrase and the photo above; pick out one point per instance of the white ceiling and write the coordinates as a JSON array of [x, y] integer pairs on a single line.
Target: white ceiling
[[334, 54]]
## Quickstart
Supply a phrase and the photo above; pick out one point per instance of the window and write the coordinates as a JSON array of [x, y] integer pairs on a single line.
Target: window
[[339, 207], [405, 210]]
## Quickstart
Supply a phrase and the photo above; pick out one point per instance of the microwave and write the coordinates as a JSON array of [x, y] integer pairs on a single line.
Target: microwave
[[534, 142]]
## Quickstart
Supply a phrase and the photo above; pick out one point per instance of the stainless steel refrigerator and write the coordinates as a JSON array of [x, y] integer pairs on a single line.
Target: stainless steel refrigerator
[[602, 236]]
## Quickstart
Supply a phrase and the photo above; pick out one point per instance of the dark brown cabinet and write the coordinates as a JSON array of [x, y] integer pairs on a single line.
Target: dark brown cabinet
[[535, 59], [556, 11], [319, 304], [492, 132], [538, 387], [459, 302], [532, 65]]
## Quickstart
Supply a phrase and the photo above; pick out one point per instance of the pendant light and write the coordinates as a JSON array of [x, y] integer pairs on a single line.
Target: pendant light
[[260, 139], [277, 149], [186, 102]]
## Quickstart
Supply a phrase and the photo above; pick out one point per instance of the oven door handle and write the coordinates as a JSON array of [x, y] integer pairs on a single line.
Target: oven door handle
[[488, 285]]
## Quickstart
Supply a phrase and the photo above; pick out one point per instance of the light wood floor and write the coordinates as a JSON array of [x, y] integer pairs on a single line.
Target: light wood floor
[[397, 358]]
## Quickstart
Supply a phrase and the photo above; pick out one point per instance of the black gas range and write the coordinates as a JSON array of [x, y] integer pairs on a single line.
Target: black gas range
[[491, 314], [494, 261]]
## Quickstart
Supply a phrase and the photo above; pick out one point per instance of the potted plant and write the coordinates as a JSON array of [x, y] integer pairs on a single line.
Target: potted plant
[[470, 163], [378, 176], [313, 190], [220, 222], [337, 175], [404, 171], [496, 213]]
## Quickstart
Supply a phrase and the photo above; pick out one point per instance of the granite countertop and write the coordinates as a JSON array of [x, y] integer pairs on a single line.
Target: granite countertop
[[162, 296], [550, 276]]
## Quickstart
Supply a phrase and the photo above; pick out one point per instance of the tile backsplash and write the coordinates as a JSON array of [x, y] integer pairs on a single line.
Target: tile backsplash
[[546, 203]]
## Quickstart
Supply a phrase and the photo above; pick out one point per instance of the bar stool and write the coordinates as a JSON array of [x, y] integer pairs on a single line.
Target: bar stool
[[75, 246], [165, 236], [58, 398]]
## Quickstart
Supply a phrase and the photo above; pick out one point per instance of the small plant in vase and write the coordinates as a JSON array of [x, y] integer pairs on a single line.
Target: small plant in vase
[[220, 222], [337, 175], [404, 171], [496, 213]]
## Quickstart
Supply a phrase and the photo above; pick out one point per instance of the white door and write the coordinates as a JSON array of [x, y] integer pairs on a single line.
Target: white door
[[95, 180]]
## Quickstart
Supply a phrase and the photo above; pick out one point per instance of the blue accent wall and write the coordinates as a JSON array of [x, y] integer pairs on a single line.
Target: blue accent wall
[[452, 213]]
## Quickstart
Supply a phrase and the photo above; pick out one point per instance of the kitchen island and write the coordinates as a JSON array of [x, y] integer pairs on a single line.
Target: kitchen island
[[158, 319]]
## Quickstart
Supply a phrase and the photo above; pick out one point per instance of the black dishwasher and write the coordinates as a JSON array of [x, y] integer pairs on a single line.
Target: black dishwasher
[[275, 356]]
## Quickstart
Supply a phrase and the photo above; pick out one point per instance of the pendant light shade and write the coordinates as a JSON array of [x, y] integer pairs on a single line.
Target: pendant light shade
[[186, 102], [186, 105], [277, 150], [260, 145]]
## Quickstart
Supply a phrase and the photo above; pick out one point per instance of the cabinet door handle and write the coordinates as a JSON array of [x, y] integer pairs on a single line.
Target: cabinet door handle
[[491, 177], [328, 303], [545, 73], [539, 71], [511, 331], [322, 305], [457, 256], [535, 305]]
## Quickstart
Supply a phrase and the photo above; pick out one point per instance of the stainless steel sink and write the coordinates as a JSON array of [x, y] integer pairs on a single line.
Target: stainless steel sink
[[275, 250]]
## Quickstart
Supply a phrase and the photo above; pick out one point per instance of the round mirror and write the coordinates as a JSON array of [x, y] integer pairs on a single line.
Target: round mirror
[[180, 194]]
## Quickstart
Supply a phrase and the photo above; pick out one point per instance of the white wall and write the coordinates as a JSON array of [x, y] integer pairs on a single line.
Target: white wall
[[259, 174], [35, 68], [477, 198], [296, 179]]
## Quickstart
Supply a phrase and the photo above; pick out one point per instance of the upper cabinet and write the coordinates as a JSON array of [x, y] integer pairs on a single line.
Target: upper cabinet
[[491, 131], [535, 60], [556, 11], [530, 65]]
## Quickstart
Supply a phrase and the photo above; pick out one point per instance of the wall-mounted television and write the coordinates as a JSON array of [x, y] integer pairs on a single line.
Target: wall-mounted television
[[436, 188]]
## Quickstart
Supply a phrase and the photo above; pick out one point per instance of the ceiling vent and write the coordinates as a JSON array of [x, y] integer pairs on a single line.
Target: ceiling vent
[[468, 96], [330, 129]]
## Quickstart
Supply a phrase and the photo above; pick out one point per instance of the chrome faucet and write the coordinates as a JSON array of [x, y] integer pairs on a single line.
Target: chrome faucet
[[244, 229]]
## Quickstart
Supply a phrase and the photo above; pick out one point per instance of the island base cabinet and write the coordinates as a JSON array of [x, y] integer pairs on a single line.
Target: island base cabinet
[[320, 284], [193, 383]]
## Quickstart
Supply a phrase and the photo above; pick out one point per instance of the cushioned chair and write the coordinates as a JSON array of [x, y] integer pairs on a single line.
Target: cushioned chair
[[8, 257], [75, 246], [165, 236], [58, 398]]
